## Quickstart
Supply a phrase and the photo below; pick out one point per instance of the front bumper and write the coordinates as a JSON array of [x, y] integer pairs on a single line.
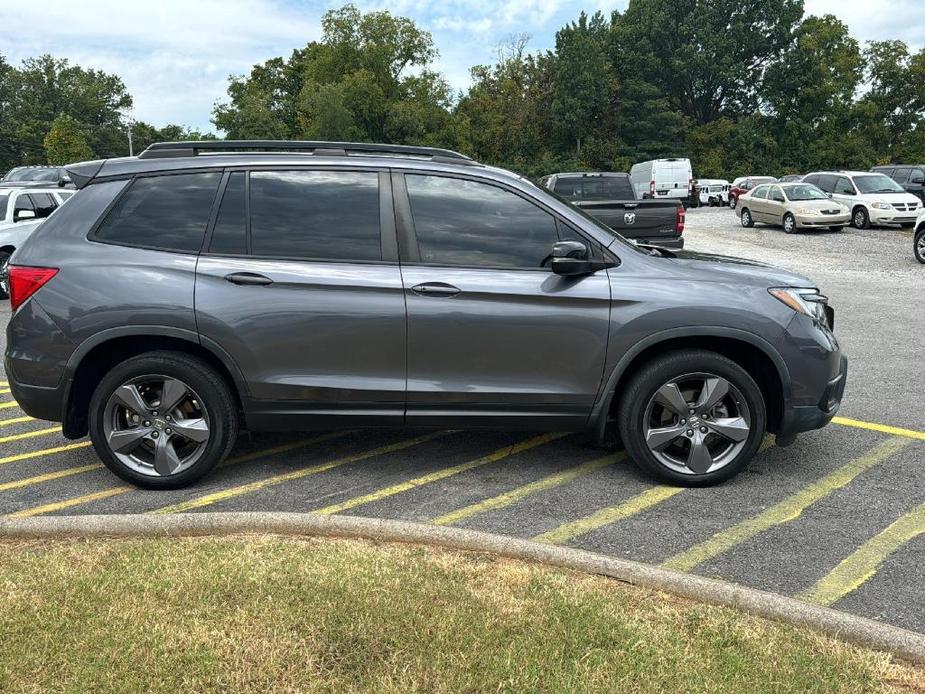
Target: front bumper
[[878, 217], [825, 220], [800, 418]]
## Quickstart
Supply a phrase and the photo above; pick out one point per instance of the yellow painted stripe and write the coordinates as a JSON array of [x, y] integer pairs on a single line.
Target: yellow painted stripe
[[8, 405], [515, 495], [14, 420], [4, 390], [68, 503], [48, 477], [606, 516], [30, 434], [500, 454], [864, 562], [239, 490], [787, 510], [43, 452], [4, 383], [873, 426]]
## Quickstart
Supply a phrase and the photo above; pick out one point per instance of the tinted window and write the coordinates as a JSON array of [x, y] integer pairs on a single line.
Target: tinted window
[[827, 183], [4, 203], [44, 204], [844, 187], [230, 233], [917, 174], [168, 212], [23, 202], [325, 215], [595, 188], [900, 174], [474, 224]]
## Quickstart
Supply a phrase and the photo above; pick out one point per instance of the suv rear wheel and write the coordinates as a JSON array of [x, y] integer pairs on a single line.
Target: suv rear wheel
[[918, 246], [162, 420], [692, 418]]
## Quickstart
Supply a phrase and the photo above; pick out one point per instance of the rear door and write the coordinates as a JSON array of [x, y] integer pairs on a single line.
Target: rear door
[[299, 283], [757, 203], [493, 335]]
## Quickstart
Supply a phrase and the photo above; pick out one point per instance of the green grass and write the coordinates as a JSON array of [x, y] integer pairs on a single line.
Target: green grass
[[280, 614]]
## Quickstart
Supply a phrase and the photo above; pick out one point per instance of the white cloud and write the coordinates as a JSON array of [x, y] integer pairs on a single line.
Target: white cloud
[[877, 19]]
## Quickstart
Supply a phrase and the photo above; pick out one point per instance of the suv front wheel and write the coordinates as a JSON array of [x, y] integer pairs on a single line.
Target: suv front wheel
[[692, 417], [162, 420], [918, 245]]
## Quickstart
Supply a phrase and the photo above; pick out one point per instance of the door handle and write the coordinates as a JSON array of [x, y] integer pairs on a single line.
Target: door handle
[[435, 289], [248, 278]]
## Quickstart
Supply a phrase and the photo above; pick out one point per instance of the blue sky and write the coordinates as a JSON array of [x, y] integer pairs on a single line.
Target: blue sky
[[175, 55]]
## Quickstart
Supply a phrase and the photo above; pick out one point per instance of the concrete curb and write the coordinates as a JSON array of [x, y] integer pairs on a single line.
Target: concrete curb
[[899, 642]]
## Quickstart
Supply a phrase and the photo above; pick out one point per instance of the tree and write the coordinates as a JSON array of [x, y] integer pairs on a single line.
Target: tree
[[65, 143]]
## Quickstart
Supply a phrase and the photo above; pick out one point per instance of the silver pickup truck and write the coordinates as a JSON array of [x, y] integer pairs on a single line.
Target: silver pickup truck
[[609, 197]]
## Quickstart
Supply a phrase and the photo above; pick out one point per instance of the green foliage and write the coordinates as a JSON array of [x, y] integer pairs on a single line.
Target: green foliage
[[65, 143]]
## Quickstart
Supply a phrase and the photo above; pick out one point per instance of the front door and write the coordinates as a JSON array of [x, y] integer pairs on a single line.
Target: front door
[[493, 335], [300, 285]]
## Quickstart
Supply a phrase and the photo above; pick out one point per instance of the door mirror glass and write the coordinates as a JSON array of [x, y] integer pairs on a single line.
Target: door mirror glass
[[22, 215], [574, 258]]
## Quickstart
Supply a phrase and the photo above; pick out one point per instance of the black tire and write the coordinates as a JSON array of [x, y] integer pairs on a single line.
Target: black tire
[[918, 245], [211, 389], [792, 226], [836, 229], [4, 275], [732, 203], [642, 388], [859, 218], [746, 218]]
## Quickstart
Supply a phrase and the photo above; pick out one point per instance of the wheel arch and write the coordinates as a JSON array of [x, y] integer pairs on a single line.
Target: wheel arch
[[95, 356], [757, 356]]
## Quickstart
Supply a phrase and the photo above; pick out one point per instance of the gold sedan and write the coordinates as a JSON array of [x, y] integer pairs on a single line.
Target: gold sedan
[[792, 206]]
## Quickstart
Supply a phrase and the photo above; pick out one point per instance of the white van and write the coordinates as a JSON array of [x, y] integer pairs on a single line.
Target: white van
[[713, 191], [668, 178]]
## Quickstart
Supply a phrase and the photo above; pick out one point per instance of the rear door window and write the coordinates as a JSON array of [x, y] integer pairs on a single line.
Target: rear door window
[[761, 192], [163, 212], [827, 183], [317, 215], [900, 174], [844, 186], [44, 204], [22, 203], [230, 233]]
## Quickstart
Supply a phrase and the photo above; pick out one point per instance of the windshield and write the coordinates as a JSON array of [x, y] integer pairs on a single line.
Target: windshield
[[804, 191], [4, 200], [877, 183], [31, 173]]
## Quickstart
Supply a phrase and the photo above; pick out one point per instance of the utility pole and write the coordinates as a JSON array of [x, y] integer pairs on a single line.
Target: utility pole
[[131, 152]]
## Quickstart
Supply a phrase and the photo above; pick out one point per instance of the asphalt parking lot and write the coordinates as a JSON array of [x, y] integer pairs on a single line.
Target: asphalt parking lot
[[837, 518]]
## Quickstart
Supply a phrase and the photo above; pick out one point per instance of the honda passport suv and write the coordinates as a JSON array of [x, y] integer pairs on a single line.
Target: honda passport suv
[[202, 288]]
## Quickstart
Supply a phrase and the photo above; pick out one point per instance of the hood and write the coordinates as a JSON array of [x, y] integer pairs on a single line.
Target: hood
[[890, 197], [708, 267]]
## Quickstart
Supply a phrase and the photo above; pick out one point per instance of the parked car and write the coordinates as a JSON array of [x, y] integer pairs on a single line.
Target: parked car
[[910, 176], [792, 206], [21, 211], [874, 199], [35, 177], [918, 242], [712, 192], [319, 285], [610, 198], [791, 178], [663, 178], [744, 184]]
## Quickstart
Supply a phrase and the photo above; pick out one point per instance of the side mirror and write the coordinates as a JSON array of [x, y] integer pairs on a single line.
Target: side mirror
[[918, 180], [573, 258], [828, 195], [21, 215]]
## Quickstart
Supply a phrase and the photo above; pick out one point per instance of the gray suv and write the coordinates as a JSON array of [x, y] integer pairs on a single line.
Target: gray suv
[[205, 287]]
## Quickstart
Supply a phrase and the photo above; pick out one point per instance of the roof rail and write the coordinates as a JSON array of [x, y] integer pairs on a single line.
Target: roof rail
[[166, 150]]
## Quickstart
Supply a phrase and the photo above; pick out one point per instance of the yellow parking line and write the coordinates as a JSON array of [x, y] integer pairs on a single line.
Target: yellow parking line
[[515, 495], [864, 562], [606, 516], [14, 420], [787, 510], [4, 390], [873, 426], [8, 405], [48, 477], [30, 434], [43, 452], [500, 454], [4, 383], [239, 490], [68, 503]]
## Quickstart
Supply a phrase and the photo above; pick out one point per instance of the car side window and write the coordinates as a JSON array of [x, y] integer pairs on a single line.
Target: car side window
[[844, 186], [318, 215], [917, 175], [44, 204], [899, 174], [827, 183], [473, 224], [23, 203], [167, 212], [230, 232], [761, 192]]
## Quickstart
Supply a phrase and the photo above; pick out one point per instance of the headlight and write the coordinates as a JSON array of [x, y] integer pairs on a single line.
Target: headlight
[[809, 302], [881, 205]]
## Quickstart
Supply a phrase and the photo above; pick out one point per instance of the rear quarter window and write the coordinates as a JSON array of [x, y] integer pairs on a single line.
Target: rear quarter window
[[163, 212]]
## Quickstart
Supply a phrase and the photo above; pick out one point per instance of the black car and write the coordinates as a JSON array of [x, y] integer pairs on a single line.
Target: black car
[[910, 176], [36, 177]]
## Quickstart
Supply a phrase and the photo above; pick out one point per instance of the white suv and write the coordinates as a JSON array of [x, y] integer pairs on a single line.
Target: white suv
[[874, 199], [918, 241]]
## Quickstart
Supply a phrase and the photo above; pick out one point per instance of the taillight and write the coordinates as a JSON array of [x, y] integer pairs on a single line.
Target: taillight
[[26, 281], [679, 220], [651, 187]]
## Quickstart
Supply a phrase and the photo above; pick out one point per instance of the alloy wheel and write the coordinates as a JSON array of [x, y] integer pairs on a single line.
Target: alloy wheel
[[697, 423], [156, 425], [920, 247], [789, 224]]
